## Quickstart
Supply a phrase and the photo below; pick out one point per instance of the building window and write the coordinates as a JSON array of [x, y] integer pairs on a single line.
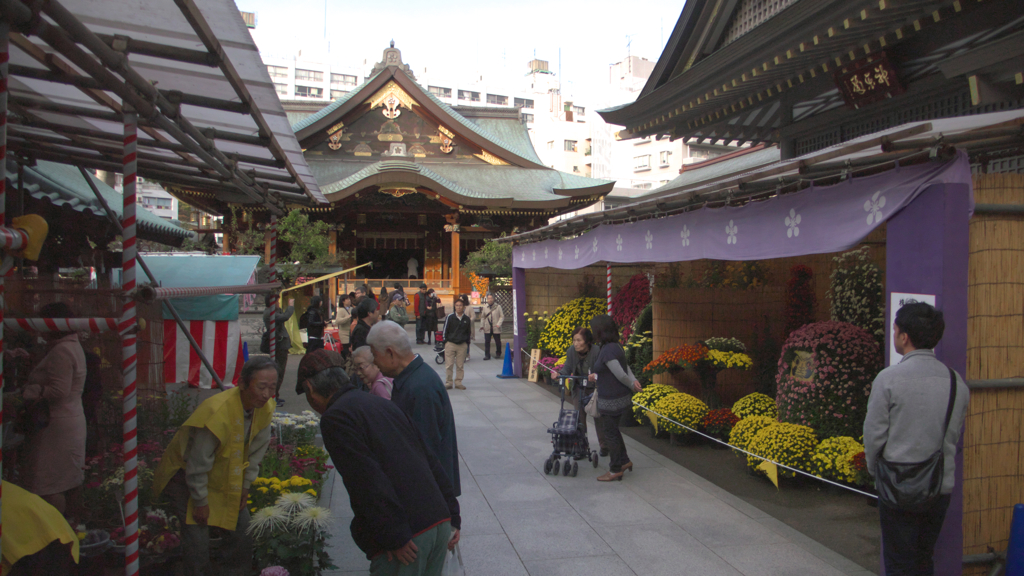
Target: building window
[[277, 71], [309, 75], [440, 92], [642, 162], [570, 145], [576, 169], [335, 94], [343, 81], [644, 140], [523, 103], [469, 96], [309, 92], [282, 89], [154, 202], [496, 99], [579, 110], [663, 157], [642, 186], [551, 144], [528, 118]]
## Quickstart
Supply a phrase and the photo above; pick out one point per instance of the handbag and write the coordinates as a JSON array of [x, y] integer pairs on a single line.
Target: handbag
[[265, 343], [591, 407], [32, 417], [914, 486]]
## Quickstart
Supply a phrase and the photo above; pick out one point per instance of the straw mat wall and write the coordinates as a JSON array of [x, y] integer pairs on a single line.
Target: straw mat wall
[[549, 288], [994, 432]]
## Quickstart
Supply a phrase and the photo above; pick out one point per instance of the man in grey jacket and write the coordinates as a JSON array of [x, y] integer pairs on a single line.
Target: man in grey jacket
[[284, 341], [906, 412]]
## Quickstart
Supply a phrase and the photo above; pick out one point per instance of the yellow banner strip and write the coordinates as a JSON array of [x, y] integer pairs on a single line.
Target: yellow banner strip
[[322, 278]]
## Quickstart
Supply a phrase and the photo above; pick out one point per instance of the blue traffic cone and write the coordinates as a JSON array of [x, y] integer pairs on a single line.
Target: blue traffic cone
[[1015, 549], [245, 351], [506, 370]]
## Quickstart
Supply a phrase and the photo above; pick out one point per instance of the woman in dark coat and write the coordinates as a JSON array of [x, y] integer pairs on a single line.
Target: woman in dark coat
[[615, 388], [313, 321], [430, 321]]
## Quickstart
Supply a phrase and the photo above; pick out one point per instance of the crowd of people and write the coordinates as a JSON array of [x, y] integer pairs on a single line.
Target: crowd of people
[[388, 425]]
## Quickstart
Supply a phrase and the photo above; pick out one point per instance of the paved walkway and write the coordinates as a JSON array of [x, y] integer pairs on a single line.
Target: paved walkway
[[660, 520]]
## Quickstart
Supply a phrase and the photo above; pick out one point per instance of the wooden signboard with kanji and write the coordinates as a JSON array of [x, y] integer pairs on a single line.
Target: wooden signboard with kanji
[[868, 80], [534, 361]]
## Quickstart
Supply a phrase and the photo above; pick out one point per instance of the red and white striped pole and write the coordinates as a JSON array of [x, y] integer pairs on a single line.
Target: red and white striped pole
[[273, 278], [129, 359], [609, 276], [4, 37]]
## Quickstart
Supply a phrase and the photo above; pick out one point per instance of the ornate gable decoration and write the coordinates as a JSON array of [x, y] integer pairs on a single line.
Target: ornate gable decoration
[[491, 158], [391, 97]]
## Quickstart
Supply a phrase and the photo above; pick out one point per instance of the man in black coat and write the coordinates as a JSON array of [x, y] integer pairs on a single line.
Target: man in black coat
[[419, 392], [406, 512]]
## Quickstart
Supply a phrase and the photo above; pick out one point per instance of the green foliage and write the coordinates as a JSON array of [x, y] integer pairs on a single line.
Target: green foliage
[[494, 255], [645, 320], [672, 277], [639, 353], [755, 404], [783, 443], [310, 246], [535, 324], [557, 334], [857, 293]]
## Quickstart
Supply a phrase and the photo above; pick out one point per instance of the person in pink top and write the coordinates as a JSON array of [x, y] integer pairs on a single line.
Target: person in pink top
[[378, 384]]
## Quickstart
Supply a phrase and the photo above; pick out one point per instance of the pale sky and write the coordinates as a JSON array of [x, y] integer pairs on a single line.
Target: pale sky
[[485, 36]]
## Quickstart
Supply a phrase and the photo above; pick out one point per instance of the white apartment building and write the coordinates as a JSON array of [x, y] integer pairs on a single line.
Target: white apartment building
[[154, 198]]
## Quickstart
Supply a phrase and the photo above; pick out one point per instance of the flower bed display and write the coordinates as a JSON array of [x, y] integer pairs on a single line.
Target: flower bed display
[[833, 459], [745, 430], [639, 353], [682, 408], [285, 462], [629, 301], [682, 356], [299, 429], [756, 404], [784, 443], [825, 376], [719, 423], [800, 299], [857, 292], [646, 399], [557, 334]]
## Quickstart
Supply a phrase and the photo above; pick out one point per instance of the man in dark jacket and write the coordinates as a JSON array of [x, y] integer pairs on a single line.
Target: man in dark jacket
[[458, 329], [367, 313], [418, 391], [313, 322], [406, 513], [421, 305]]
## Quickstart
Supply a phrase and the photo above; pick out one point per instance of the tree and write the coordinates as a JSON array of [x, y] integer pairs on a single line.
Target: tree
[[494, 255], [303, 246]]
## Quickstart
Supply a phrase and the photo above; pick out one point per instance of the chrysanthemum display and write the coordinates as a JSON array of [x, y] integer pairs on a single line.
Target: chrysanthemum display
[[833, 459], [683, 408], [719, 423], [292, 534], [825, 375], [755, 404], [783, 443], [629, 301], [557, 334], [682, 356], [745, 429], [646, 399]]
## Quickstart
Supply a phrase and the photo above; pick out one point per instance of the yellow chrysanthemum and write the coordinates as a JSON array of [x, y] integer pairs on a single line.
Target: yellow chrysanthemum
[[262, 490]]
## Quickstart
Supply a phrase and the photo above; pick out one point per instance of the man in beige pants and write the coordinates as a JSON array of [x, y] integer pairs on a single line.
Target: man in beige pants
[[458, 329]]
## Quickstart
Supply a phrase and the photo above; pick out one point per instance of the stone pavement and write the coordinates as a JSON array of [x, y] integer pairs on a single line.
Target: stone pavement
[[660, 520]]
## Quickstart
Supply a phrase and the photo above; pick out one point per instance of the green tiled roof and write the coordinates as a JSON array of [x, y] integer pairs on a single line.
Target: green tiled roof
[[470, 180], [326, 110], [63, 185]]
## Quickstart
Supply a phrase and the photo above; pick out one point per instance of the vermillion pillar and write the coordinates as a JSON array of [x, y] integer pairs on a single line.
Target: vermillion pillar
[[456, 273], [332, 248]]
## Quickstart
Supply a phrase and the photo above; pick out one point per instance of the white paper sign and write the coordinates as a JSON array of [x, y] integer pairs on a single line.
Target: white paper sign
[[897, 301], [515, 313]]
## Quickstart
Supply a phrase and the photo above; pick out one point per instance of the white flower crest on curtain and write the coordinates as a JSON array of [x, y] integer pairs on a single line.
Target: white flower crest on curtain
[[874, 207], [792, 223], [650, 239], [732, 230], [618, 243], [685, 235]]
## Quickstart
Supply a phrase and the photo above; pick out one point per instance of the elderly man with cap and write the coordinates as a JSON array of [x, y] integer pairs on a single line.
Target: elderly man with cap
[[406, 512], [419, 392]]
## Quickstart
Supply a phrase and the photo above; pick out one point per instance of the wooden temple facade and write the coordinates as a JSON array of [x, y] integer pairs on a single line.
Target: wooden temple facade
[[409, 178]]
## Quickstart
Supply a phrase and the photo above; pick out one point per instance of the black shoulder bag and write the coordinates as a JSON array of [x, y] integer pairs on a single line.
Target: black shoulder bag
[[915, 486]]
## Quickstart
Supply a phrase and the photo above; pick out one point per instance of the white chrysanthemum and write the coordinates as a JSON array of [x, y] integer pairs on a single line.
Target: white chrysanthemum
[[313, 518], [293, 502], [266, 521]]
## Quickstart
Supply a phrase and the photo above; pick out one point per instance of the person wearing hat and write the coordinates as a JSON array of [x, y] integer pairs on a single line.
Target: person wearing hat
[[406, 512], [210, 463]]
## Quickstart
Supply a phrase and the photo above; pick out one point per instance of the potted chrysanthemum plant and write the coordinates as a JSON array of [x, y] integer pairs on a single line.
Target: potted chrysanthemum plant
[[292, 534]]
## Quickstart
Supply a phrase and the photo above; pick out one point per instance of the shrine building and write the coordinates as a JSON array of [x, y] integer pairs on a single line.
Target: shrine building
[[410, 178]]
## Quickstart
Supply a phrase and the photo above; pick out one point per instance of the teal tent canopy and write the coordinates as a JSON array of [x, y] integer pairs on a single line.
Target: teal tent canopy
[[198, 271]]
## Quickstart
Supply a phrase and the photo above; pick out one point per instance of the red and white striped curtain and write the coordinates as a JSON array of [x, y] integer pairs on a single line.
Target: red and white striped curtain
[[221, 343]]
